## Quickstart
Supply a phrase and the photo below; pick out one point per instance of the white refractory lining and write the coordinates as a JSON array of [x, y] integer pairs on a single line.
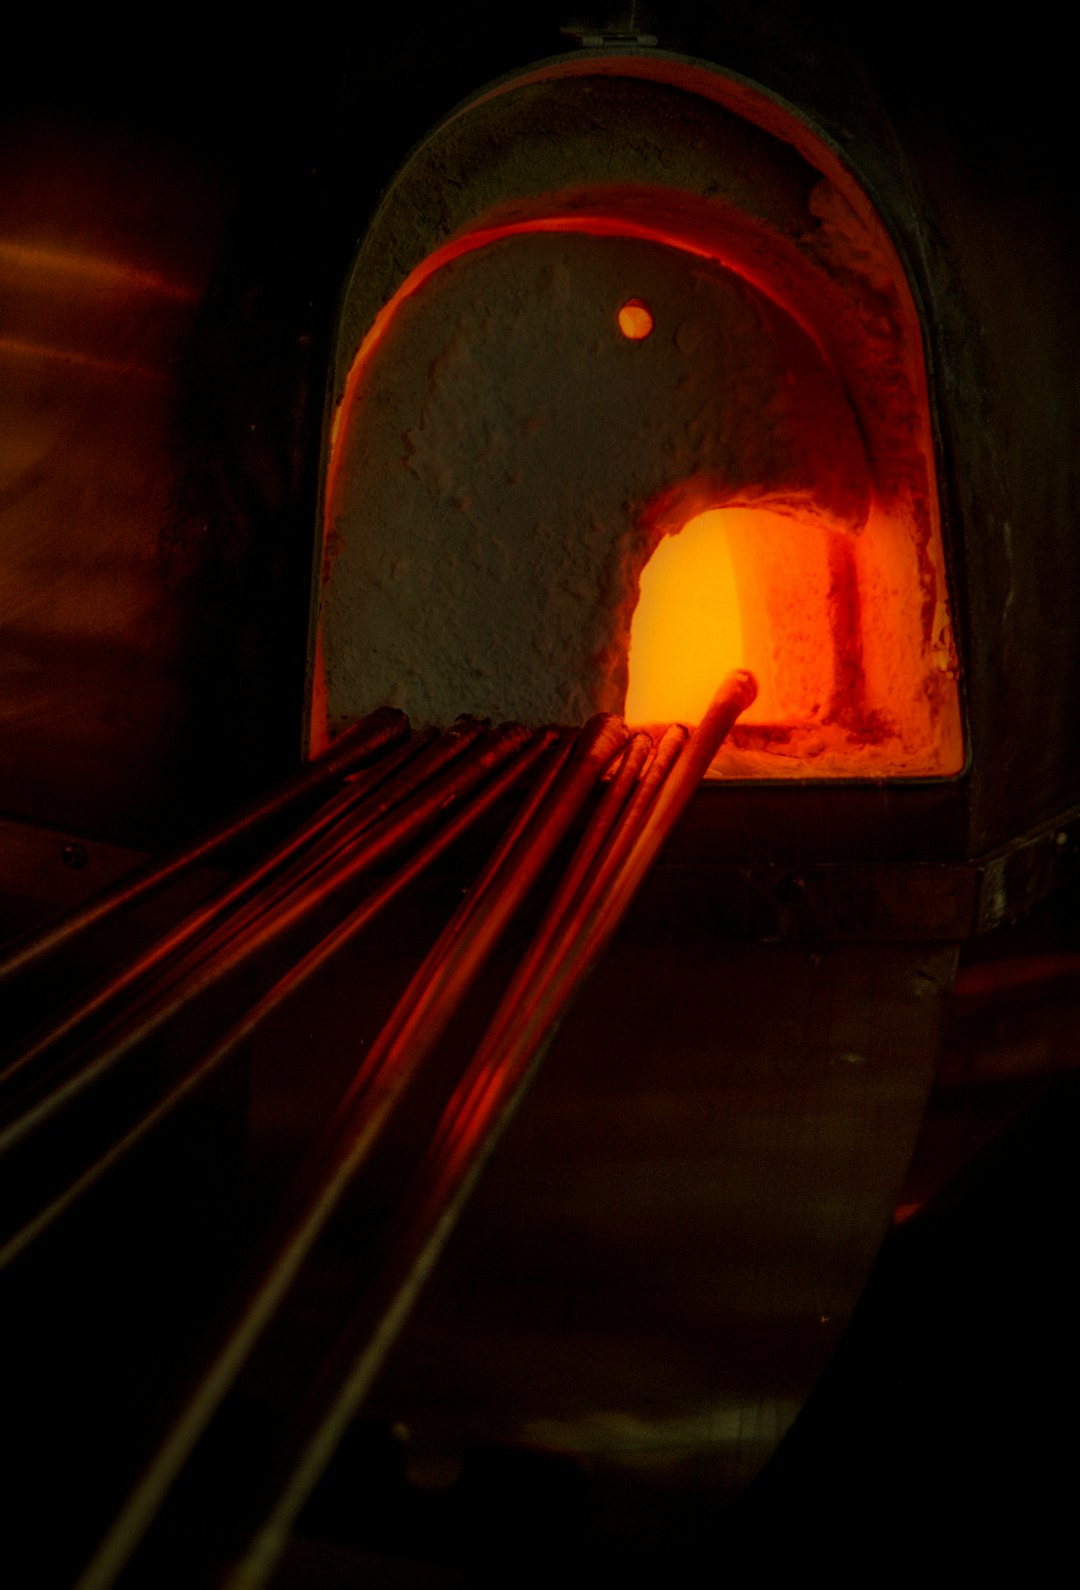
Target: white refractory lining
[[509, 461]]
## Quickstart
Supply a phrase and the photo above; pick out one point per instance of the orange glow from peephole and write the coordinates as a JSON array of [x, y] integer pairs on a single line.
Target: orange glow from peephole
[[635, 320], [583, 224]]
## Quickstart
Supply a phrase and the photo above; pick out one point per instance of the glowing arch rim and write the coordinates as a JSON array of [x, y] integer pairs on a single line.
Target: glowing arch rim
[[584, 225]]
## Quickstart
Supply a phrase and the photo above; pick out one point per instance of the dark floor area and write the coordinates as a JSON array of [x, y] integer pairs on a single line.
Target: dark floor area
[[944, 1428], [940, 1439]]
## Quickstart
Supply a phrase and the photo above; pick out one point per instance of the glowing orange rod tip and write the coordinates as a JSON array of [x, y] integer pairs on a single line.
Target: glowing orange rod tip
[[635, 320]]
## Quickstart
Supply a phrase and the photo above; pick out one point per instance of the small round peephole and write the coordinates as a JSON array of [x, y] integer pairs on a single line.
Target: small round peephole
[[635, 320]]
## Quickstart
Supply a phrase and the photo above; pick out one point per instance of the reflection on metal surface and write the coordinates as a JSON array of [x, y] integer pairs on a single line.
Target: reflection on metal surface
[[630, 1441], [12, 348], [58, 269], [104, 262]]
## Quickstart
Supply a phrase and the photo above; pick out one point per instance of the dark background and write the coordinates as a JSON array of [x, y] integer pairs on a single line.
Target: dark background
[[944, 1431]]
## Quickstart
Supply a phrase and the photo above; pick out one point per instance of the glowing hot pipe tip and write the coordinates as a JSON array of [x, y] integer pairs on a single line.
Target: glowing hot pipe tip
[[733, 697], [735, 694], [740, 687]]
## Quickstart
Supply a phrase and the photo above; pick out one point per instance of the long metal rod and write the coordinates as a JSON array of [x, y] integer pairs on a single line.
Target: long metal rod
[[431, 1210], [447, 973], [102, 996], [587, 876], [327, 822], [579, 928], [354, 815], [357, 745], [580, 922], [372, 848], [283, 990], [428, 1004]]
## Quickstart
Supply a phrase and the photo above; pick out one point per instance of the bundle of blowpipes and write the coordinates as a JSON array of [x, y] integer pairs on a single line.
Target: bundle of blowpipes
[[91, 1079]]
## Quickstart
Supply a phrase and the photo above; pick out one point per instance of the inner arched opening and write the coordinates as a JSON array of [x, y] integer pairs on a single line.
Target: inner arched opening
[[687, 629]]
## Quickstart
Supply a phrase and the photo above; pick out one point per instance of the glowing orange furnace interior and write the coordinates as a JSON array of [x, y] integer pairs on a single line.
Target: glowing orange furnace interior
[[843, 620]]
